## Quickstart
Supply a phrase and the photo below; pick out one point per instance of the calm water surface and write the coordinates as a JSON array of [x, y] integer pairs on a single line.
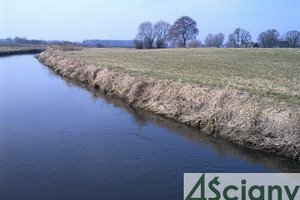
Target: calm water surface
[[62, 141]]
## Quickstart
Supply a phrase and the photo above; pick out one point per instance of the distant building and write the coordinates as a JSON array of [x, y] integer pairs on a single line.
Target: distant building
[[251, 45], [282, 44], [255, 45]]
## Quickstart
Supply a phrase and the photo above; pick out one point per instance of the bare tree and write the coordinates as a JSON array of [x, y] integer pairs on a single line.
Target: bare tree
[[268, 38], [185, 28], [293, 38], [195, 44], [146, 35], [239, 38], [208, 42], [212, 40], [245, 37], [161, 32], [231, 41], [218, 40]]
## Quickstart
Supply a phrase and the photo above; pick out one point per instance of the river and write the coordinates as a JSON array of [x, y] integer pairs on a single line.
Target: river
[[60, 140]]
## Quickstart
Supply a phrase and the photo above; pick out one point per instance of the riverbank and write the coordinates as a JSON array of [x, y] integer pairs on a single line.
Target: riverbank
[[235, 115], [19, 50]]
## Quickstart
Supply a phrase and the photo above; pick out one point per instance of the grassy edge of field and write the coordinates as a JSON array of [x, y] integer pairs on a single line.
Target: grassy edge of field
[[214, 68], [18, 50], [229, 114]]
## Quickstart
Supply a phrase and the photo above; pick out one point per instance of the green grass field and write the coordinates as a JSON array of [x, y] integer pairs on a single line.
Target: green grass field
[[271, 73]]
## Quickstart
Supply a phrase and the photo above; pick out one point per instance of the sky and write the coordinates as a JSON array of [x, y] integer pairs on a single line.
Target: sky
[[76, 20]]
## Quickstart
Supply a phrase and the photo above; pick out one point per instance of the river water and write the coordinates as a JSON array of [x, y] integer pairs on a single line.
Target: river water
[[59, 140]]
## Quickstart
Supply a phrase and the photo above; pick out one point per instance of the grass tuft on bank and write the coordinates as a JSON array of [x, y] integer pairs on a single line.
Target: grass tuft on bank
[[271, 73]]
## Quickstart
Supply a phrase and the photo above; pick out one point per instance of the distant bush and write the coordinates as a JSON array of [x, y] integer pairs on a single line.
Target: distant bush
[[179, 44], [99, 45], [138, 44], [194, 44]]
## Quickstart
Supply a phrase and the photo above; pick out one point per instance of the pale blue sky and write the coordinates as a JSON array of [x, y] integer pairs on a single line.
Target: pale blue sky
[[76, 20]]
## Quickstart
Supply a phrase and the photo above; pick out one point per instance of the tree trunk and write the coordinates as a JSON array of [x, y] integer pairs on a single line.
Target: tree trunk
[[184, 42]]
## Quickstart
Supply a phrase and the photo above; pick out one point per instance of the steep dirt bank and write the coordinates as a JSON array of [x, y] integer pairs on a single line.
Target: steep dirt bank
[[20, 52], [229, 114]]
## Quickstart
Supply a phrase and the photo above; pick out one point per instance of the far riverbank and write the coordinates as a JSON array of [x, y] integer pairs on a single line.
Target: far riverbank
[[19, 50]]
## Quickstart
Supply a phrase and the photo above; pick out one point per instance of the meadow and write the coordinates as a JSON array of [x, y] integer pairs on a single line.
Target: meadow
[[271, 73]]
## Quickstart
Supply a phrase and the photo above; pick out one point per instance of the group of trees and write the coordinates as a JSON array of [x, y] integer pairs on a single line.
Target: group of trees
[[239, 38], [293, 38], [214, 40], [184, 31], [22, 41], [25, 41], [269, 38]]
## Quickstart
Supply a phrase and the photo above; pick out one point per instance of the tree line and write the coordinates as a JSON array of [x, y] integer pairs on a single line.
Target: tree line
[[25, 41], [184, 31], [22, 41]]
